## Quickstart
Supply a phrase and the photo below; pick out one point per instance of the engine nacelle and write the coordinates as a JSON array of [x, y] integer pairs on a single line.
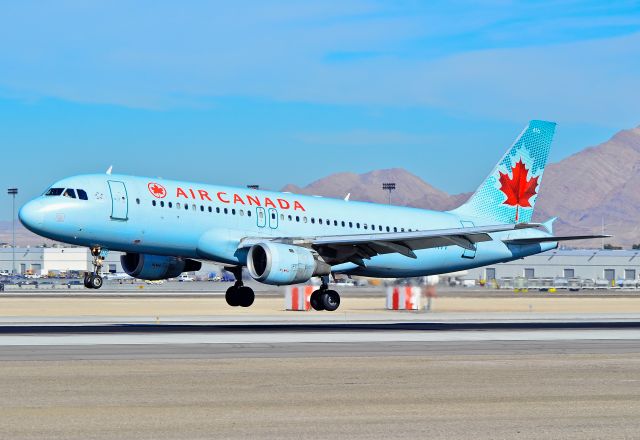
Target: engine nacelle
[[280, 264], [156, 267]]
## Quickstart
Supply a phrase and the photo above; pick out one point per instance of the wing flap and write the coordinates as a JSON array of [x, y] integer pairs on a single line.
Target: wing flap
[[535, 240]]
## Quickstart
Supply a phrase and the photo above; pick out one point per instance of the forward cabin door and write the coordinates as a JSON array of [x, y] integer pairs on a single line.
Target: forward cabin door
[[273, 218], [261, 217], [467, 252], [119, 200]]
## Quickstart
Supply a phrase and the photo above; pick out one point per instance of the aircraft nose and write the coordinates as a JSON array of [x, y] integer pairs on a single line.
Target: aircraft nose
[[31, 215]]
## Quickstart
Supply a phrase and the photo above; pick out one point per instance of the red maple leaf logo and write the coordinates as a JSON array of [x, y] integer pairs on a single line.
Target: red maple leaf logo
[[517, 188], [157, 190]]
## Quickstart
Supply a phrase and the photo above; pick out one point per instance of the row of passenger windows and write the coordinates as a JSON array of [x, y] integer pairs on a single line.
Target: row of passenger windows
[[297, 218], [69, 192]]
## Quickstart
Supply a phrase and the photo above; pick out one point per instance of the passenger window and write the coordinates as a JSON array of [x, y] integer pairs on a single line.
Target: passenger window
[[162, 203], [282, 217], [54, 192], [388, 229], [395, 229], [138, 201], [342, 224], [249, 213], [365, 226], [201, 208], [313, 220], [358, 225], [297, 218], [226, 211], [82, 194], [373, 227], [320, 221], [170, 204], [233, 212], [260, 214], [210, 210], [193, 207], [217, 210], [379, 228], [69, 193], [242, 212], [289, 217], [335, 223], [402, 230], [186, 206], [153, 202], [304, 219], [350, 225]]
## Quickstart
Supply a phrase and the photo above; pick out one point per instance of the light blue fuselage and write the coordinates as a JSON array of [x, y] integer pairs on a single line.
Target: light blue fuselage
[[119, 214]]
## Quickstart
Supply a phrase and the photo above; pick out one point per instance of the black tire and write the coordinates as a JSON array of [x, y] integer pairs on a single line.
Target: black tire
[[330, 300], [95, 281], [316, 300], [86, 281], [246, 296], [232, 297]]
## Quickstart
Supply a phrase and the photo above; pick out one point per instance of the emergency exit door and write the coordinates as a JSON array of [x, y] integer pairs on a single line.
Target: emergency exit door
[[119, 200]]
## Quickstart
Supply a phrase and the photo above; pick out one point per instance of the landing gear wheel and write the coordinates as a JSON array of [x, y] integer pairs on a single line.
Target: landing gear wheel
[[86, 281], [95, 281], [246, 296], [330, 300], [232, 297], [316, 300]]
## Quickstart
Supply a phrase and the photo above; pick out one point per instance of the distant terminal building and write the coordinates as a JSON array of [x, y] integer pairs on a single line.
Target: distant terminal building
[[595, 264]]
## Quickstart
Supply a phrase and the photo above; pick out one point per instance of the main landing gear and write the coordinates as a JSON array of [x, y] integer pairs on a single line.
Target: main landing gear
[[239, 294], [93, 280], [325, 298]]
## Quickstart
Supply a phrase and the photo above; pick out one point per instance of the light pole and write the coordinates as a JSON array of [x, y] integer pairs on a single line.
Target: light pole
[[389, 186], [13, 192]]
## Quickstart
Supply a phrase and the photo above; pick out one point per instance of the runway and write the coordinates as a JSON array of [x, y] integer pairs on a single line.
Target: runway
[[362, 374]]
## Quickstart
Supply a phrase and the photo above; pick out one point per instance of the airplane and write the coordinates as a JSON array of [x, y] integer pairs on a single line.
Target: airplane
[[167, 227]]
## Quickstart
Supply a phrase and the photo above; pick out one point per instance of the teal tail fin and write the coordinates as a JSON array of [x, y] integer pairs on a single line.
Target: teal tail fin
[[509, 193]]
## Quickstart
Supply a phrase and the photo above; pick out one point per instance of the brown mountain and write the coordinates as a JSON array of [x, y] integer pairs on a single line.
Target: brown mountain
[[600, 183], [410, 189]]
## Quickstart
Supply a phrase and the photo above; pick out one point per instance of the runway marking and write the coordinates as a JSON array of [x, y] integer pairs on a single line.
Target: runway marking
[[312, 337]]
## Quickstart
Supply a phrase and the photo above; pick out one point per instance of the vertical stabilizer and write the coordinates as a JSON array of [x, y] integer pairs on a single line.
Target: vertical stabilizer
[[509, 193]]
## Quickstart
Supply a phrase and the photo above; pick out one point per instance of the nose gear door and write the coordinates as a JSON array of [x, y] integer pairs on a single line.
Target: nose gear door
[[119, 200]]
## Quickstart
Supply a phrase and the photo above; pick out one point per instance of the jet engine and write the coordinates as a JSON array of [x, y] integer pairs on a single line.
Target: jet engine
[[280, 264], [157, 267]]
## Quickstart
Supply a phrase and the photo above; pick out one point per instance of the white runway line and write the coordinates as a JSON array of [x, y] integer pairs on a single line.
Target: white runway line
[[315, 337]]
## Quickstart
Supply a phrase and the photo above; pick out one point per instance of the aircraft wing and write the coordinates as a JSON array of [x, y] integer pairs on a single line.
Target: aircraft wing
[[336, 249], [534, 240]]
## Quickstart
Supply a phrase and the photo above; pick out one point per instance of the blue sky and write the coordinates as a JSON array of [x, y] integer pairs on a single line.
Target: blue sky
[[276, 92]]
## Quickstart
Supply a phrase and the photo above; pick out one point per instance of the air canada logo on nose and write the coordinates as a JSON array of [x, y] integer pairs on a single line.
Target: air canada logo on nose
[[157, 190]]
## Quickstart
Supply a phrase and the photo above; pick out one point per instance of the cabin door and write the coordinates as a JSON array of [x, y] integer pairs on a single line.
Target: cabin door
[[119, 200]]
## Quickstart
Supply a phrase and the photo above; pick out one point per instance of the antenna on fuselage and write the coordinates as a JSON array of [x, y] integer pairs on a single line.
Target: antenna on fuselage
[[109, 170], [346, 198]]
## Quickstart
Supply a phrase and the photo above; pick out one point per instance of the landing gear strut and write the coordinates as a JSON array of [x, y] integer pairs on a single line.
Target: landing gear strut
[[325, 298], [239, 294], [93, 280]]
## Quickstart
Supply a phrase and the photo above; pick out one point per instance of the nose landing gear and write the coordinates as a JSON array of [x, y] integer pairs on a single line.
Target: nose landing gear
[[239, 294], [93, 280], [325, 298]]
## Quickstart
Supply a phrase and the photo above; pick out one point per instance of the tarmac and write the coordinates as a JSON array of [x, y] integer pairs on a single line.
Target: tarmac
[[191, 368]]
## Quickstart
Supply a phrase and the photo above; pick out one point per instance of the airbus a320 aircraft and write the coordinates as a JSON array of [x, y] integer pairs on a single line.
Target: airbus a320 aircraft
[[164, 227]]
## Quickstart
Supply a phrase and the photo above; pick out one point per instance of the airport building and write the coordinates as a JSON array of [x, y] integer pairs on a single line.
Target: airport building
[[594, 264]]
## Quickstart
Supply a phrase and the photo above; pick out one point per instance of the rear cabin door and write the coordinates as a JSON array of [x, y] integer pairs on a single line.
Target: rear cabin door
[[119, 200], [467, 252]]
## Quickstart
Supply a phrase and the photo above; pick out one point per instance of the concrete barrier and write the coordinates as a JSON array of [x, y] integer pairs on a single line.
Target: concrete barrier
[[404, 298], [297, 297]]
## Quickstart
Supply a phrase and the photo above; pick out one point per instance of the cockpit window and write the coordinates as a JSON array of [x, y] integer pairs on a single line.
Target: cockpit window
[[69, 193], [54, 192], [82, 194]]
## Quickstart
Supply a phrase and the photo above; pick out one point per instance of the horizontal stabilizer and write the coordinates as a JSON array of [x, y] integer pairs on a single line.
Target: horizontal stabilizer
[[534, 240]]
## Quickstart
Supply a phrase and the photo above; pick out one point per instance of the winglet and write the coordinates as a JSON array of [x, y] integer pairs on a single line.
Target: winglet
[[346, 199], [109, 170]]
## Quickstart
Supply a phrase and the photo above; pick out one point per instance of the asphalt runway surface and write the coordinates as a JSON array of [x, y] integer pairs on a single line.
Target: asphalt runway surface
[[162, 368], [567, 379]]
